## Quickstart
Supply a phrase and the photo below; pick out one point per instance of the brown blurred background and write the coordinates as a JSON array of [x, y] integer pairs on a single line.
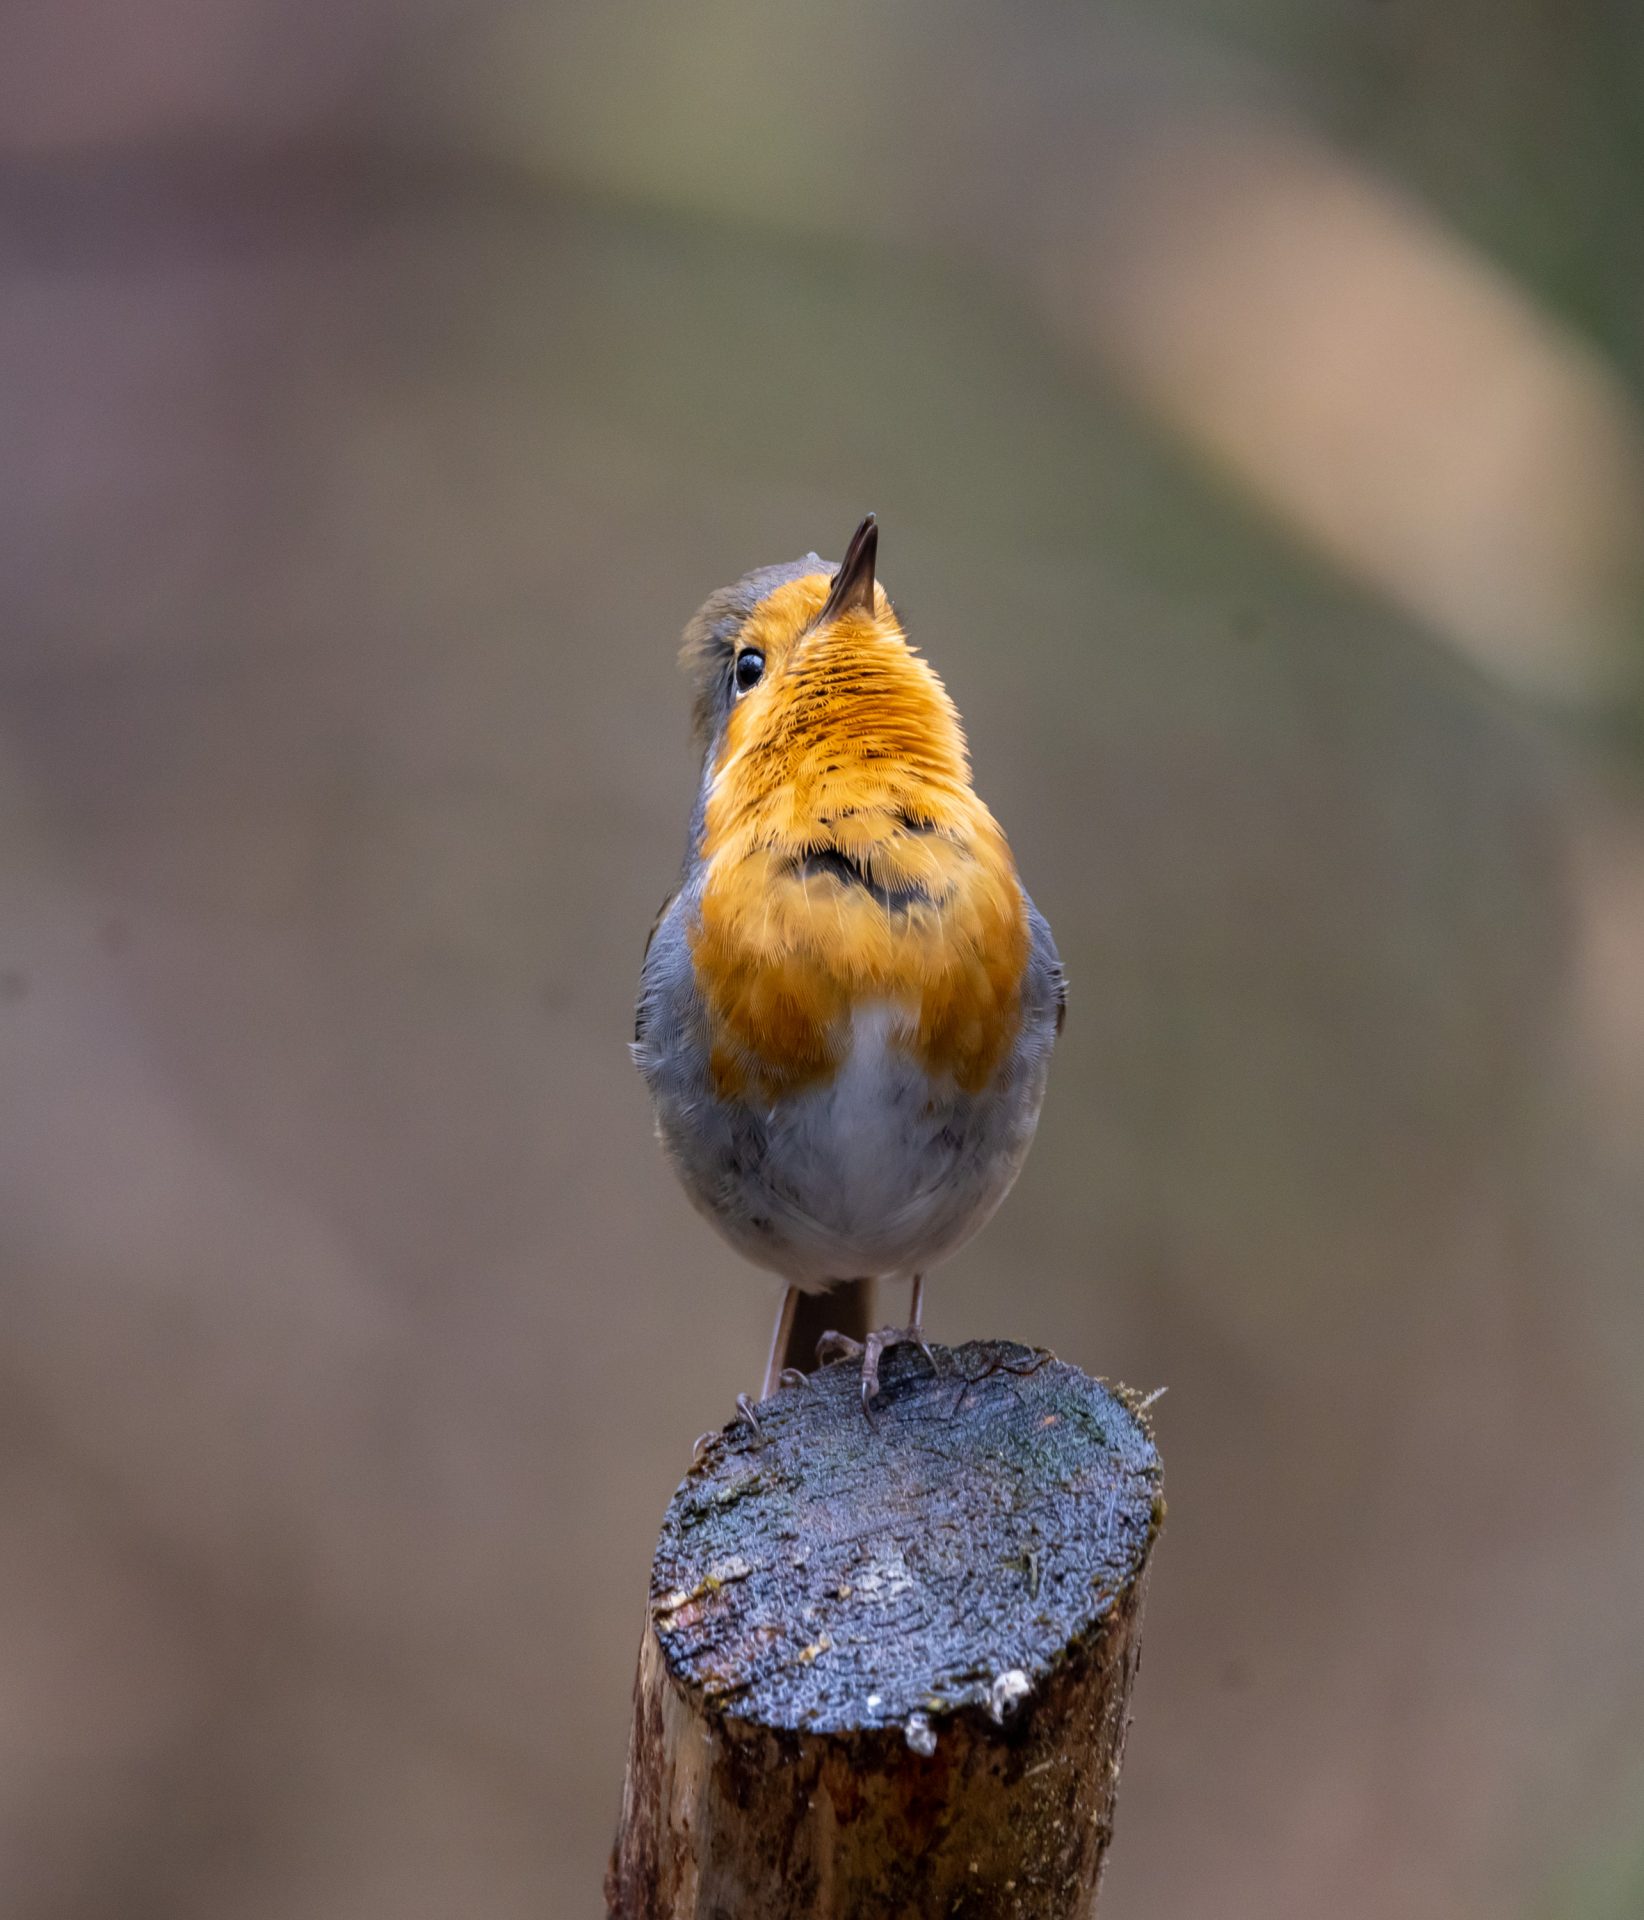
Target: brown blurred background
[[1249, 393]]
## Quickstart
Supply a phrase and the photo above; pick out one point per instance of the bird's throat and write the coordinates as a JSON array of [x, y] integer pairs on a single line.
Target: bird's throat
[[847, 858]]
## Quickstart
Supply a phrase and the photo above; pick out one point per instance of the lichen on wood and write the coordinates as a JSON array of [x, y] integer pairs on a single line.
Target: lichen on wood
[[887, 1666]]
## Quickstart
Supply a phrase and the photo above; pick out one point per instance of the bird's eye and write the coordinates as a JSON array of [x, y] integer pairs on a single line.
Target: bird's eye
[[749, 669]]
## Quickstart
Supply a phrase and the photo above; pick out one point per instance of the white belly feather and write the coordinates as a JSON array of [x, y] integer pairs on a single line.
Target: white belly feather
[[873, 1178]]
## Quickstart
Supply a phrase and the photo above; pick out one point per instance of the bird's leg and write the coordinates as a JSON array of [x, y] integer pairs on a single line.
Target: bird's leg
[[914, 1333], [839, 1346], [779, 1342]]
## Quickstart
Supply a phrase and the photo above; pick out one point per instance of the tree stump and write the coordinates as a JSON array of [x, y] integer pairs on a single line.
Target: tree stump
[[887, 1666]]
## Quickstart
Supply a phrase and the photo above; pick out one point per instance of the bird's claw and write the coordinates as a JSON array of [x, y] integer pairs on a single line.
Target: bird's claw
[[746, 1411], [840, 1346], [745, 1407], [837, 1346]]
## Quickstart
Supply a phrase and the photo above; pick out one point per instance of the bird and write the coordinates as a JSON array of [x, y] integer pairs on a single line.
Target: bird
[[848, 1003]]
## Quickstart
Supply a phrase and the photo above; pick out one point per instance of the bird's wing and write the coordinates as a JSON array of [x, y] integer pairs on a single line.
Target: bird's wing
[[650, 941], [1046, 982]]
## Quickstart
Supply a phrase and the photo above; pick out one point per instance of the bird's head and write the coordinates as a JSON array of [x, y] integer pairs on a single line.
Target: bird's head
[[808, 693]]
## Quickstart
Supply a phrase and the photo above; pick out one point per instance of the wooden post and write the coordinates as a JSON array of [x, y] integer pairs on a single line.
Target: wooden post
[[887, 1667]]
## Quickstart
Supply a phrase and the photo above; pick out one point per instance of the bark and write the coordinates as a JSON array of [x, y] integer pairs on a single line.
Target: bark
[[887, 1667]]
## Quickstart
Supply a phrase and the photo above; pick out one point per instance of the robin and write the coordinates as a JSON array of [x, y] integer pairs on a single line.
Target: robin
[[848, 1003]]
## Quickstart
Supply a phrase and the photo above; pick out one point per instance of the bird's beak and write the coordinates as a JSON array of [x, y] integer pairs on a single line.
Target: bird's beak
[[851, 589]]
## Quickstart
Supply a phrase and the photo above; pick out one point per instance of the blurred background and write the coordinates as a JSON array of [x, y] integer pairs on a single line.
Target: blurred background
[[1250, 394]]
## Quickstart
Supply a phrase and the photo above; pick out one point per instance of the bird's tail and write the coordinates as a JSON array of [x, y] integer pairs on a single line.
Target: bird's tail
[[845, 1308]]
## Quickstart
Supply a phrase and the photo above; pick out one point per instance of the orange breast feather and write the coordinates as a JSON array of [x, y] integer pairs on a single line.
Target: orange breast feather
[[849, 861]]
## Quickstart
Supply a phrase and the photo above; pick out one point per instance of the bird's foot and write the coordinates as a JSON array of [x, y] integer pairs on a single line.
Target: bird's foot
[[749, 1413], [840, 1346]]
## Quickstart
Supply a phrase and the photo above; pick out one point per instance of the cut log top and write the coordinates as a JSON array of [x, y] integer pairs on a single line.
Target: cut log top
[[887, 1667], [840, 1577]]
